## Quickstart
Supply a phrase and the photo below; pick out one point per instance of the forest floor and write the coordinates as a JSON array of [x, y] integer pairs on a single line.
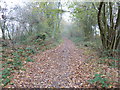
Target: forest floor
[[60, 67]]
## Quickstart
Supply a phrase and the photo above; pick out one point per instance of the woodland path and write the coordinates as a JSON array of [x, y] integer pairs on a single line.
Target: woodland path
[[53, 68]]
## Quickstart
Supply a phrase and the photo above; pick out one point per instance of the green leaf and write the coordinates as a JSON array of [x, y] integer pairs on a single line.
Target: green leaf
[[29, 59], [6, 81], [98, 75]]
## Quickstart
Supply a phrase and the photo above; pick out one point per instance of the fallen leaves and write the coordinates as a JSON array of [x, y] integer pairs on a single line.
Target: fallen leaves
[[62, 67]]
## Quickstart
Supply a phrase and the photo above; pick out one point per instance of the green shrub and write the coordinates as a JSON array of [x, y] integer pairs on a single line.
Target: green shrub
[[98, 80], [29, 59], [6, 81], [30, 50]]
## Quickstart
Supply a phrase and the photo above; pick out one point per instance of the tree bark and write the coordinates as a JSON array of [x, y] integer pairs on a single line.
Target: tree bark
[[99, 24], [3, 30]]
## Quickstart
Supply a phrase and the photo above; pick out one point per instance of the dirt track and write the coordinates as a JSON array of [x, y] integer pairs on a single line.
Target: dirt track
[[52, 68]]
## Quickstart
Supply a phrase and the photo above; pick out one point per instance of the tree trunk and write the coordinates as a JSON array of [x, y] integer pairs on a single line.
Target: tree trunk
[[99, 24], [3, 30]]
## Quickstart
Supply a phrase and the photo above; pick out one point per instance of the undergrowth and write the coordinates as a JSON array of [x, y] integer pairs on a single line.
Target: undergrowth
[[103, 67], [99, 80], [14, 60]]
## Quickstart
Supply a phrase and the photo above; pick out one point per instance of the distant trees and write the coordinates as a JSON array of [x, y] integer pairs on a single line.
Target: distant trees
[[35, 18], [6, 21], [86, 16], [105, 15], [3, 20]]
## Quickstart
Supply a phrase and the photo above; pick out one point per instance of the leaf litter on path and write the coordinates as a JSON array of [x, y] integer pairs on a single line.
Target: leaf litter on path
[[60, 67]]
